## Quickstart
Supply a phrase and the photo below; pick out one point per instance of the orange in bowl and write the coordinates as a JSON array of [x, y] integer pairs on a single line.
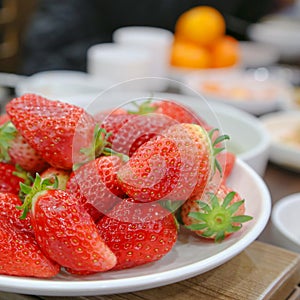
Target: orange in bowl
[[201, 25], [225, 52], [188, 55]]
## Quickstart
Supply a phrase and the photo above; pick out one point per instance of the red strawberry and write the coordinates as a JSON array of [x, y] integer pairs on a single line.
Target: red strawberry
[[20, 253], [65, 231], [216, 215], [8, 181], [138, 233], [153, 171], [129, 132], [56, 130], [176, 167], [227, 161], [14, 149], [197, 157], [96, 186]]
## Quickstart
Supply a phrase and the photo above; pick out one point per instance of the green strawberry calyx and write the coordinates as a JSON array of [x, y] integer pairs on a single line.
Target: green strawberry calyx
[[39, 185], [100, 146], [215, 149], [26, 176], [144, 108], [7, 134], [217, 220]]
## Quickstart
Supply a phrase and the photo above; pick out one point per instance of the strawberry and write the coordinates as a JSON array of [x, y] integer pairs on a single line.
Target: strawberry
[[216, 215], [153, 171], [20, 253], [64, 230], [9, 182], [56, 130], [227, 159], [96, 186], [138, 233], [129, 132], [14, 149], [175, 166]]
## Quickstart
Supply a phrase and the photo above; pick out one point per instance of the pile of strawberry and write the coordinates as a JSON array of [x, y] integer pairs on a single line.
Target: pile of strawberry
[[110, 191]]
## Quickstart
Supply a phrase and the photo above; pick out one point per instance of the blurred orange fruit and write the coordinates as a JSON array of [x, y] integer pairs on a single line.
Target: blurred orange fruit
[[225, 52], [188, 55], [201, 24]]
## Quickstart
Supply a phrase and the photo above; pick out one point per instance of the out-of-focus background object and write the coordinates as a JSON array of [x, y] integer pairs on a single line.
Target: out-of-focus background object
[[14, 17], [280, 32], [284, 130], [255, 91], [200, 41], [285, 223]]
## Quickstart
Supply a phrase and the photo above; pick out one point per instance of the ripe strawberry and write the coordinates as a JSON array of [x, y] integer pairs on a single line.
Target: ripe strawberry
[[153, 171], [197, 155], [20, 253], [129, 132], [64, 230], [14, 149], [56, 130], [227, 161], [138, 233], [96, 186], [175, 167], [216, 215], [9, 182]]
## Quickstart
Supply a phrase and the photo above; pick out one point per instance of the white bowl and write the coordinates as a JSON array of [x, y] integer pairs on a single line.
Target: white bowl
[[253, 91], [280, 126], [189, 257], [285, 223], [157, 42], [281, 33], [248, 138], [254, 55], [62, 85]]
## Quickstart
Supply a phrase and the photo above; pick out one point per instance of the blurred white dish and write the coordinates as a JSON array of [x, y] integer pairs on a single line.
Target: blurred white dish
[[249, 140], [155, 41], [189, 257], [61, 85], [284, 130], [254, 55], [285, 223], [119, 62], [253, 91], [282, 33]]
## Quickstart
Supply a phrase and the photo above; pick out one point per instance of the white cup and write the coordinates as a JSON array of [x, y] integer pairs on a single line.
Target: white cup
[[156, 41], [114, 63]]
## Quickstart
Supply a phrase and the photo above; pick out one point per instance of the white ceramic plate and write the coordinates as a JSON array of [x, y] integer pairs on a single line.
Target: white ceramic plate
[[253, 91], [189, 257], [61, 84], [286, 223], [280, 125]]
